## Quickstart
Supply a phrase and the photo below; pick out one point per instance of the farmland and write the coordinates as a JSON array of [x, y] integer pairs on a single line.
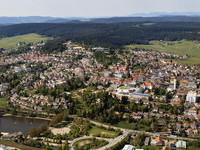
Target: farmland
[[182, 47], [27, 38]]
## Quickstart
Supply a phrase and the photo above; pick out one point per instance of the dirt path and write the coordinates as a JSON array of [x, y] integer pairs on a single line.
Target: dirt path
[[18, 145]]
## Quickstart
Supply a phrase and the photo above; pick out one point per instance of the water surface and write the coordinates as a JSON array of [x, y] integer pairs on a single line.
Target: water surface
[[12, 124]]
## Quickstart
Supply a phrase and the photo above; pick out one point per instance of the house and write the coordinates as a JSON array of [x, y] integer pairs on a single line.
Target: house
[[147, 141], [107, 74], [192, 111], [181, 144], [189, 131], [155, 109], [124, 90], [162, 122], [186, 125], [194, 125], [118, 75], [178, 127], [148, 85], [137, 116], [100, 87], [159, 141]]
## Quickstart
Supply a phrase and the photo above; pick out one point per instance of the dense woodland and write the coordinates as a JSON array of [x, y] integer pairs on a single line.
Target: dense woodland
[[113, 35]]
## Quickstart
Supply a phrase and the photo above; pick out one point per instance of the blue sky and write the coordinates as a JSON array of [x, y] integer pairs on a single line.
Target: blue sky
[[93, 8]]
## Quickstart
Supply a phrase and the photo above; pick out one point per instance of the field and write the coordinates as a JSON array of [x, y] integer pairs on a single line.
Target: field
[[87, 144], [27, 38], [100, 132], [178, 47]]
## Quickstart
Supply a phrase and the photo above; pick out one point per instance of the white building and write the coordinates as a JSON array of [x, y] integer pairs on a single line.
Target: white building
[[174, 84], [191, 97], [128, 147]]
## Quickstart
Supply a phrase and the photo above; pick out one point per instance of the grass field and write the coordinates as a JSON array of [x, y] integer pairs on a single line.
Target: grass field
[[179, 47], [100, 132], [87, 144], [27, 38]]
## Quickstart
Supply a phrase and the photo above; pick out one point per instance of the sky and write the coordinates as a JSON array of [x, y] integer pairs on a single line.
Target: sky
[[93, 8]]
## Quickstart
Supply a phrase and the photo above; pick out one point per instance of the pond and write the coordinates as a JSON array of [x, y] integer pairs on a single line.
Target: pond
[[12, 124]]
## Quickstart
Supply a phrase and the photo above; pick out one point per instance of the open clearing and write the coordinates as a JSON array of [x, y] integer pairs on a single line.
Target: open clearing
[[61, 131], [100, 132], [27, 38], [191, 48]]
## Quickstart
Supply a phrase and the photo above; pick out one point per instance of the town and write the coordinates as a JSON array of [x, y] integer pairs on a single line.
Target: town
[[144, 97]]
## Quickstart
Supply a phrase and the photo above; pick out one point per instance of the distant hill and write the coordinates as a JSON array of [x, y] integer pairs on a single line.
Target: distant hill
[[31, 19], [64, 20], [159, 14], [128, 19], [167, 17], [144, 19]]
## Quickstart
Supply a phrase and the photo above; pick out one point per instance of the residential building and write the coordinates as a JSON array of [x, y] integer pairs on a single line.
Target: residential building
[[191, 97]]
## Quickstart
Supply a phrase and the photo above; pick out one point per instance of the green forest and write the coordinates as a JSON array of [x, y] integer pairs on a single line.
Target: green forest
[[112, 35]]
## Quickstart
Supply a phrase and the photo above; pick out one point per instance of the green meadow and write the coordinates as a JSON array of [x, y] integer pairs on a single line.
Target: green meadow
[[100, 132], [27, 38], [183, 47]]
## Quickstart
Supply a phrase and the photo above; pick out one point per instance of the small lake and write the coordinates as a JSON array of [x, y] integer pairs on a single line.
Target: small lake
[[12, 124]]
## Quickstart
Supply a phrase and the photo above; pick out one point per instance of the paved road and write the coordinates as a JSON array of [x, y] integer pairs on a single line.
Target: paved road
[[114, 141]]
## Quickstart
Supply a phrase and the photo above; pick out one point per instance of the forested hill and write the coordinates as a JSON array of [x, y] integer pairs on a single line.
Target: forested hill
[[39, 19], [146, 19], [109, 34]]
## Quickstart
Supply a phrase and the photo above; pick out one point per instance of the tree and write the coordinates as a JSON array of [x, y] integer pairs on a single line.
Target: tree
[[65, 146], [58, 118], [32, 132], [42, 128], [139, 140]]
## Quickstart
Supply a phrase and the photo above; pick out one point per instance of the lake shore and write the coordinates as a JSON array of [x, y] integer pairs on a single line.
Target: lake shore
[[11, 115]]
